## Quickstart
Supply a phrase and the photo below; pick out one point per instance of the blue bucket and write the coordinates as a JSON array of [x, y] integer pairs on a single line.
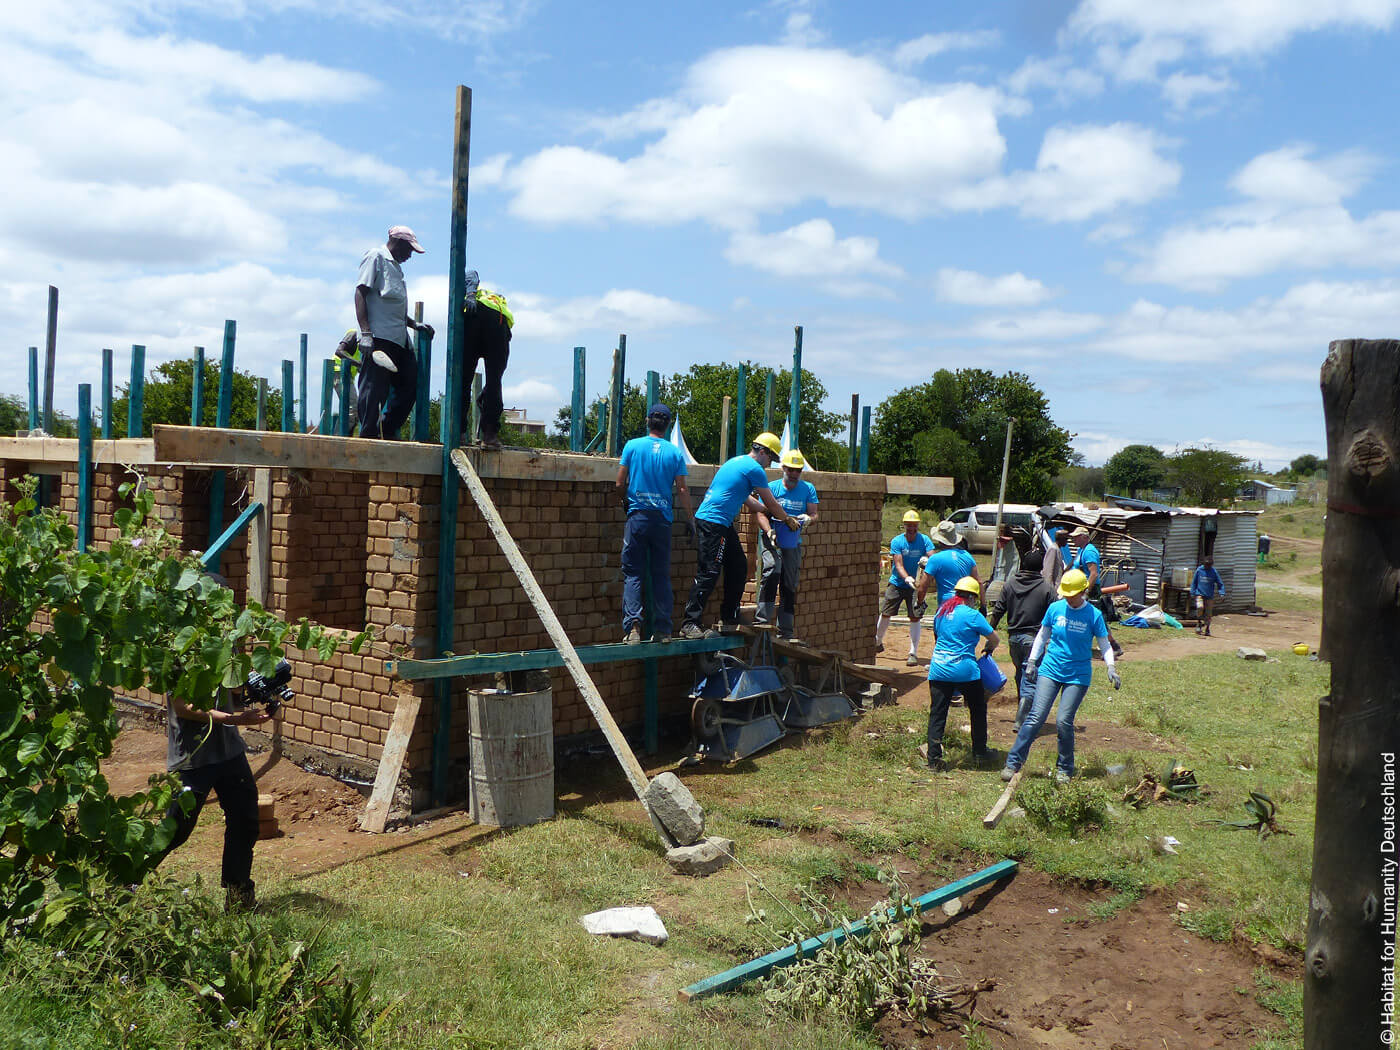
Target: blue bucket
[[992, 678]]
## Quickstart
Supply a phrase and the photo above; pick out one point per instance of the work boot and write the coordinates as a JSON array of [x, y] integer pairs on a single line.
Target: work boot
[[879, 647], [913, 661], [1007, 773], [692, 632], [490, 440], [633, 636]]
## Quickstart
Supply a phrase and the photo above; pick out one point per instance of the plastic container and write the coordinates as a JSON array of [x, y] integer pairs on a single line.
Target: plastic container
[[992, 678]]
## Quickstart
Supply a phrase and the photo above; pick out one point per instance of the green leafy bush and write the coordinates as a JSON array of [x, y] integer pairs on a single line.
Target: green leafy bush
[[1068, 808]]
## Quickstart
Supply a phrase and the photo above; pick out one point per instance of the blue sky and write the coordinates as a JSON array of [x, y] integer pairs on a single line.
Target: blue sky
[[1161, 212]]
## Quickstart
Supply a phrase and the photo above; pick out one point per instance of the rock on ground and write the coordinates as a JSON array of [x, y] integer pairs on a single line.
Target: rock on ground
[[703, 858], [1246, 652], [671, 802]]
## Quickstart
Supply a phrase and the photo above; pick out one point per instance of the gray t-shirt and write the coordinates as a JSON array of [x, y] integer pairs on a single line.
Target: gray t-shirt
[[386, 302], [191, 743]]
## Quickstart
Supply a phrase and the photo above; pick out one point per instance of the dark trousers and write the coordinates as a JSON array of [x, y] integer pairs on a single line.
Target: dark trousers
[[487, 341], [782, 569], [385, 399], [646, 548], [1020, 644], [232, 780], [940, 696], [719, 548]]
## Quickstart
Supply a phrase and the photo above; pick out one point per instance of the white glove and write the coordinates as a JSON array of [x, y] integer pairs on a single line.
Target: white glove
[[366, 342], [1115, 678], [923, 561], [803, 520]]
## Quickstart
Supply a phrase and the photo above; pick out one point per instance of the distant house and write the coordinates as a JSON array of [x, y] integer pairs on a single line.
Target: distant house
[[516, 418], [1266, 492]]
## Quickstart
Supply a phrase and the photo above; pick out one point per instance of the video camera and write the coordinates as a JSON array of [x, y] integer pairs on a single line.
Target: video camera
[[272, 692]]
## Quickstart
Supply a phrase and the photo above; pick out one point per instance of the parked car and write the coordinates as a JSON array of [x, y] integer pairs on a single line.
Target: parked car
[[978, 525]]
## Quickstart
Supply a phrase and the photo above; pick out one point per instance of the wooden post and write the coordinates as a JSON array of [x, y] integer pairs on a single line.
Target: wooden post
[[1001, 496], [221, 420], [106, 393], [768, 403], [50, 358], [451, 434], [327, 381], [854, 443], [197, 389], [795, 393], [423, 346], [474, 411], [724, 430], [741, 404], [614, 445], [84, 466], [577, 405], [301, 400], [260, 536], [288, 399], [260, 415], [136, 392], [1349, 961], [865, 440], [34, 388]]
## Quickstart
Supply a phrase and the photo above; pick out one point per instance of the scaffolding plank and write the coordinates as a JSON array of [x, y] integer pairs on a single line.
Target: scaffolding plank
[[391, 763], [540, 659]]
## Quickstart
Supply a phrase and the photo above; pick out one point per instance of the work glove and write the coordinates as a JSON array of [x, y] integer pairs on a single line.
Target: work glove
[[1030, 673], [366, 344], [923, 561], [690, 530], [1115, 678], [920, 610], [772, 537], [803, 520]]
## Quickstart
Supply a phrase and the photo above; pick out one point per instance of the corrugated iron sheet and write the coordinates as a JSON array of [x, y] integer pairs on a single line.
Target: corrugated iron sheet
[[1236, 557]]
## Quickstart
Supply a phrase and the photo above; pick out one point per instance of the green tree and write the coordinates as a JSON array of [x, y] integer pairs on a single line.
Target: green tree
[[169, 394], [14, 418], [1134, 468], [955, 425], [1207, 476], [1305, 466]]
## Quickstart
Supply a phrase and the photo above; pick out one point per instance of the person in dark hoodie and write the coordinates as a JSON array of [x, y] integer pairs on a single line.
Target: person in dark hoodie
[[1023, 601]]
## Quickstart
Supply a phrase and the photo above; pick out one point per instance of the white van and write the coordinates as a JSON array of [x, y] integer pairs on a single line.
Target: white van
[[978, 525]]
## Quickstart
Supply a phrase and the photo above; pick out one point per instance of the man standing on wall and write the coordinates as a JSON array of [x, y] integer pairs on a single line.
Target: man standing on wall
[[717, 541], [488, 327], [388, 367], [908, 552], [650, 467], [781, 554]]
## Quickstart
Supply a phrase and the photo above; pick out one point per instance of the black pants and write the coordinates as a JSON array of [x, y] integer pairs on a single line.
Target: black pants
[[940, 696], [385, 399], [487, 341], [782, 573], [232, 780], [719, 548]]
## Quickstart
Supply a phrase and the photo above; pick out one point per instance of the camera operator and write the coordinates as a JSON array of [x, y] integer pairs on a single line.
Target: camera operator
[[205, 750]]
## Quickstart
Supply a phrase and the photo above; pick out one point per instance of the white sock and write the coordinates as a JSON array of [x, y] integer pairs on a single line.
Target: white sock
[[880, 627], [914, 630]]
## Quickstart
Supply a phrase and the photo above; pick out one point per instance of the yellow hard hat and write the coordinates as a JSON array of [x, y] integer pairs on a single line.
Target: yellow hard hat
[[793, 458], [1301, 649], [1073, 582], [968, 585], [770, 442], [911, 515]]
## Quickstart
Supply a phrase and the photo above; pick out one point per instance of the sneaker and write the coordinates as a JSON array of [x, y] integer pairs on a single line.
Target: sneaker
[[1007, 773], [984, 758], [1199, 631], [491, 444], [692, 632], [633, 636], [384, 361], [663, 636], [912, 661], [879, 647], [1061, 777], [791, 639]]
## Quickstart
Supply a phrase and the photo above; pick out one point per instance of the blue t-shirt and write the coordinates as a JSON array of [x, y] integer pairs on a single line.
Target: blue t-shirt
[[1070, 653], [1207, 582], [733, 483], [947, 567], [911, 552], [1088, 555], [958, 632], [652, 464], [793, 500]]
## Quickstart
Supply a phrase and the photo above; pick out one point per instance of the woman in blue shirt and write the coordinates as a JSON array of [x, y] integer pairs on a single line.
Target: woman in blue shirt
[[1061, 665], [952, 669]]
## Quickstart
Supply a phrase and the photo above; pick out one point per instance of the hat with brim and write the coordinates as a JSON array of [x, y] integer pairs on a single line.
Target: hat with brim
[[403, 233], [1080, 533], [946, 534]]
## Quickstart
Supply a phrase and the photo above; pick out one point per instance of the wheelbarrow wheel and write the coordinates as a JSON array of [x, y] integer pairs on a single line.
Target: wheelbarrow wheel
[[705, 718]]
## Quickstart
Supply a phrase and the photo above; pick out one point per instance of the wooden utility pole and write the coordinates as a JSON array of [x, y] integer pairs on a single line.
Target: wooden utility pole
[[1348, 989]]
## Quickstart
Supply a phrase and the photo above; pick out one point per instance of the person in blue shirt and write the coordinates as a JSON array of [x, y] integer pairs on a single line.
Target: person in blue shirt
[[949, 564], [780, 556], [952, 669], [908, 552], [1207, 586], [1087, 560], [650, 467], [1060, 665], [717, 541]]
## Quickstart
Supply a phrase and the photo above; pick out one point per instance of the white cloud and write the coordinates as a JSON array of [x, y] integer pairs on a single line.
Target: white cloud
[[1289, 175], [1229, 28], [810, 249], [1047, 325], [618, 310], [1059, 75], [1183, 90], [921, 49], [975, 289], [532, 391]]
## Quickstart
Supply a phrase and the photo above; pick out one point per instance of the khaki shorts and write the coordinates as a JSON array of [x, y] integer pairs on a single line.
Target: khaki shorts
[[895, 597]]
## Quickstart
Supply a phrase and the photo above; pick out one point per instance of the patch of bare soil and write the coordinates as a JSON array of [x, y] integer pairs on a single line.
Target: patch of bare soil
[[1065, 979]]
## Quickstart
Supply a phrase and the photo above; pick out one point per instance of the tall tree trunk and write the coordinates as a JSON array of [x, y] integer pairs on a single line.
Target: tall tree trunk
[[1349, 996]]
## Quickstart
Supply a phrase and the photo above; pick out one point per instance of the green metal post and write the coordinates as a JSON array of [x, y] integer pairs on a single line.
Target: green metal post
[[653, 389], [855, 418], [221, 420], [33, 388], [768, 403], [423, 348], [327, 381], [301, 401], [795, 395], [197, 389], [84, 466], [577, 407], [136, 392], [451, 430], [865, 440], [106, 392], [288, 415], [346, 392], [741, 401]]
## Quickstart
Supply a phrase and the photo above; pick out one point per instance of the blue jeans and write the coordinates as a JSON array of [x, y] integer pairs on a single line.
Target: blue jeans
[[646, 544], [1071, 695]]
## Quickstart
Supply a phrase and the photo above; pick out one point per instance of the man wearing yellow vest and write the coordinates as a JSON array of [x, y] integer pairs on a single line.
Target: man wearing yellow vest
[[487, 339]]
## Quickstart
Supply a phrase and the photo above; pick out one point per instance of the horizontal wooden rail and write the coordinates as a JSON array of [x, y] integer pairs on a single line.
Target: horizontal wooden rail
[[538, 659]]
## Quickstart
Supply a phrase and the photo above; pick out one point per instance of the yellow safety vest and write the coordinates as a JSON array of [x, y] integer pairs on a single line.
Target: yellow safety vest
[[497, 302]]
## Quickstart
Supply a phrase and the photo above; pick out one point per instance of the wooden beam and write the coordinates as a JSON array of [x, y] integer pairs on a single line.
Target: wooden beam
[[260, 537], [902, 485], [539, 659], [63, 452], [994, 815], [386, 779]]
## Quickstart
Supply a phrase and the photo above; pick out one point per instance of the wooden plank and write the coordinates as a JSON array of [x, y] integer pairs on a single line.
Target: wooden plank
[[63, 452], [994, 815], [766, 964], [391, 763], [636, 776], [260, 536], [540, 659], [805, 653], [900, 485]]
